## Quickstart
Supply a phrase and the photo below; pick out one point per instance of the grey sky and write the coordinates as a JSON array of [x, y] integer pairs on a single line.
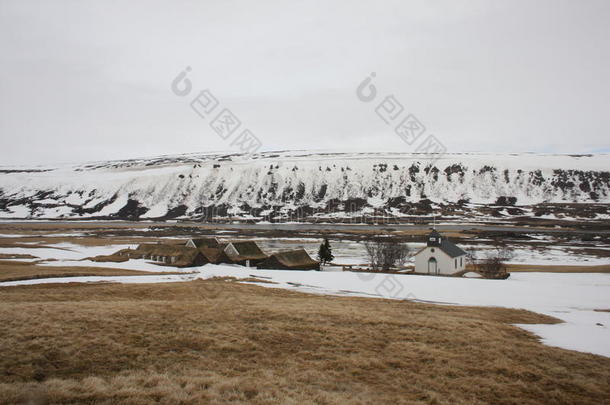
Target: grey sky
[[90, 80]]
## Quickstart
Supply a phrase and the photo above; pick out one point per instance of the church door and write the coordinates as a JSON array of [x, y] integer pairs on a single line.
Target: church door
[[432, 267]]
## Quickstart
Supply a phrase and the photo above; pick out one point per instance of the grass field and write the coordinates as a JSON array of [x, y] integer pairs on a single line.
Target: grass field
[[220, 342], [14, 270], [558, 268]]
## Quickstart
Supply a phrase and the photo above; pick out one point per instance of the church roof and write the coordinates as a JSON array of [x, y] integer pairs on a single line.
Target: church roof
[[450, 248]]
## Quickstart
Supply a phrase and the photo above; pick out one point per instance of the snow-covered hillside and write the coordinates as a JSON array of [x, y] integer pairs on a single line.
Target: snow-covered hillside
[[296, 183]]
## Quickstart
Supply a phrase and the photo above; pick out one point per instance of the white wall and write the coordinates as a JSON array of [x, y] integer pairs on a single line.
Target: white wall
[[445, 264]]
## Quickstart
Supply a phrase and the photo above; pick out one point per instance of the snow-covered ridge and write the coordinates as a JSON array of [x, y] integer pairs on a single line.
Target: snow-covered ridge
[[241, 185]]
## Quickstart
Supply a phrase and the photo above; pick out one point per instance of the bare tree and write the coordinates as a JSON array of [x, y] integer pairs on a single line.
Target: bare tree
[[384, 255], [494, 263], [472, 258]]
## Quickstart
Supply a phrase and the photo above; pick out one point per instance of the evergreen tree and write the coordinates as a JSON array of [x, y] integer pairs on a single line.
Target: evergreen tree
[[329, 251], [325, 252], [321, 253]]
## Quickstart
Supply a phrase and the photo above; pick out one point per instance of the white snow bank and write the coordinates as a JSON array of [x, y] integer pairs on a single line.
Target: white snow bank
[[69, 254], [64, 251]]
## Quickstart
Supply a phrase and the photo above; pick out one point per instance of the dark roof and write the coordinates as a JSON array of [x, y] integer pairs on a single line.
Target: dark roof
[[297, 257], [450, 248], [214, 255], [248, 249], [292, 260], [187, 258], [209, 242], [434, 238], [184, 256], [160, 249]]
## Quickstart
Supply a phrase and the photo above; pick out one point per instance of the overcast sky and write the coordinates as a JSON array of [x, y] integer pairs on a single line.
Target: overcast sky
[[90, 80]]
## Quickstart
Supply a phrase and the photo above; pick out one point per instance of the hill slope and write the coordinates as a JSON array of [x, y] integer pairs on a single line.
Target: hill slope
[[293, 185]]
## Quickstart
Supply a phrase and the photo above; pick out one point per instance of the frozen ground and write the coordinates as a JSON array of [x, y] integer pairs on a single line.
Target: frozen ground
[[72, 255], [345, 252], [572, 298], [354, 253]]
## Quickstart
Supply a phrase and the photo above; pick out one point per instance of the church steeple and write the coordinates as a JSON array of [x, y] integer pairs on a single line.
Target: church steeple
[[434, 239]]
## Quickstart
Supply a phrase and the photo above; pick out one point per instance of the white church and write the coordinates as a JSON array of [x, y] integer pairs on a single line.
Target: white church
[[440, 256]]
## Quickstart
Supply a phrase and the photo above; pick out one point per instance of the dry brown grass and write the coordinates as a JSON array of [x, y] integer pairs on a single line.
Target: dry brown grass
[[13, 271], [222, 342], [49, 241], [5, 256], [43, 231], [605, 268]]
